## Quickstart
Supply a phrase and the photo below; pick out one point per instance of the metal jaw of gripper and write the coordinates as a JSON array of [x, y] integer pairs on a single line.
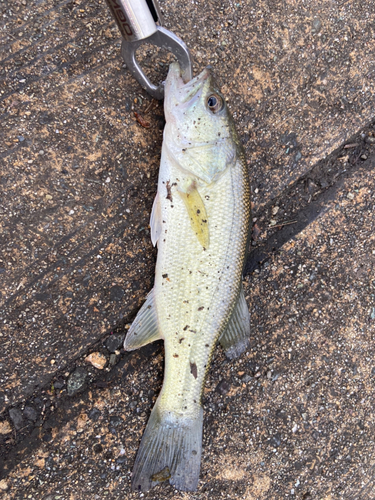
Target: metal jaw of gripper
[[136, 20]]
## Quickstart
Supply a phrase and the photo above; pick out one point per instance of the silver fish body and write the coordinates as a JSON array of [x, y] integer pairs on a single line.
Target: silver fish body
[[200, 221]]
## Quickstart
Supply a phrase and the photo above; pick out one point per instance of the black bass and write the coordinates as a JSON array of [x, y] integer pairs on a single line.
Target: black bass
[[200, 221]]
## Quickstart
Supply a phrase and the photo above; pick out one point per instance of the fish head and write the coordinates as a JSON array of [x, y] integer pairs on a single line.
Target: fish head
[[200, 132]]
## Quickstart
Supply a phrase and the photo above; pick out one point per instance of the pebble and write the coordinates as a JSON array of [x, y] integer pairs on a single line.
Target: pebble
[[115, 421], [77, 381], [97, 359], [94, 414], [223, 387], [116, 292], [4, 486], [370, 140], [316, 24], [5, 427], [275, 210], [59, 384], [113, 358], [114, 341], [16, 418], [350, 196], [275, 440], [30, 413], [97, 448]]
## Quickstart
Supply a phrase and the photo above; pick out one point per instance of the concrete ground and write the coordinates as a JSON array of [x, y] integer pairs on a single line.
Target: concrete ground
[[294, 416]]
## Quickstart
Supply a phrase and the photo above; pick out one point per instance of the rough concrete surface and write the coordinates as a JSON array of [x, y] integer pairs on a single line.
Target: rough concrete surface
[[294, 416]]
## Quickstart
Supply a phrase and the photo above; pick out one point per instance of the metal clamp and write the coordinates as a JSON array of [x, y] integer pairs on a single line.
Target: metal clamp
[[137, 25]]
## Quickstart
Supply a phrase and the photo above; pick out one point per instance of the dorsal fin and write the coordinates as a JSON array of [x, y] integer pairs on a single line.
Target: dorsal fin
[[155, 220]]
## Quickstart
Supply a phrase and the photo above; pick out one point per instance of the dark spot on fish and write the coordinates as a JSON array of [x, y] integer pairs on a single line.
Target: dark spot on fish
[[198, 211], [193, 452], [204, 220], [169, 192], [207, 345], [161, 476], [175, 355], [200, 308], [183, 338], [194, 370], [186, 327]]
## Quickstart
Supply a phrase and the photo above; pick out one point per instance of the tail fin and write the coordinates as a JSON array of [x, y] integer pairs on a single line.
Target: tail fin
[[171, 448]]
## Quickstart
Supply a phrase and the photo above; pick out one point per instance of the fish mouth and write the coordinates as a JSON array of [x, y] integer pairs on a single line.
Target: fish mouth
[[185, 92]]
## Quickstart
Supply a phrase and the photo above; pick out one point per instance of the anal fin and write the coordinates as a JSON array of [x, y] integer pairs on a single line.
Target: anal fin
[[144, 328], [235, 337]]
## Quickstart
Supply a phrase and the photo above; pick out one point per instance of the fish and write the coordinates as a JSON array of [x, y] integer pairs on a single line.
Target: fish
[[200, 222]]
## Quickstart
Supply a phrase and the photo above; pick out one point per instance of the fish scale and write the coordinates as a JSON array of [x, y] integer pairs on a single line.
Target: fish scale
[[222, 271]]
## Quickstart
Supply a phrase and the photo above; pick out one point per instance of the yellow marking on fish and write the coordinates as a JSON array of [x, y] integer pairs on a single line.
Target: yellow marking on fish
[[197, 214]]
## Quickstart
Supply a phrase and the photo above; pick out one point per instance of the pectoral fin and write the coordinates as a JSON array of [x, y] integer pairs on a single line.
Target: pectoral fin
[[197, 214], [144, 328], [235, 337]]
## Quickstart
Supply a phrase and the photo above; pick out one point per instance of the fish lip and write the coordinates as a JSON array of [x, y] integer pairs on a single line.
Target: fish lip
[[185, 92]]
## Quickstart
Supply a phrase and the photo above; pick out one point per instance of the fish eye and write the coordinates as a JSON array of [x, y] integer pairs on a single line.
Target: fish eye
[[215, 103]]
